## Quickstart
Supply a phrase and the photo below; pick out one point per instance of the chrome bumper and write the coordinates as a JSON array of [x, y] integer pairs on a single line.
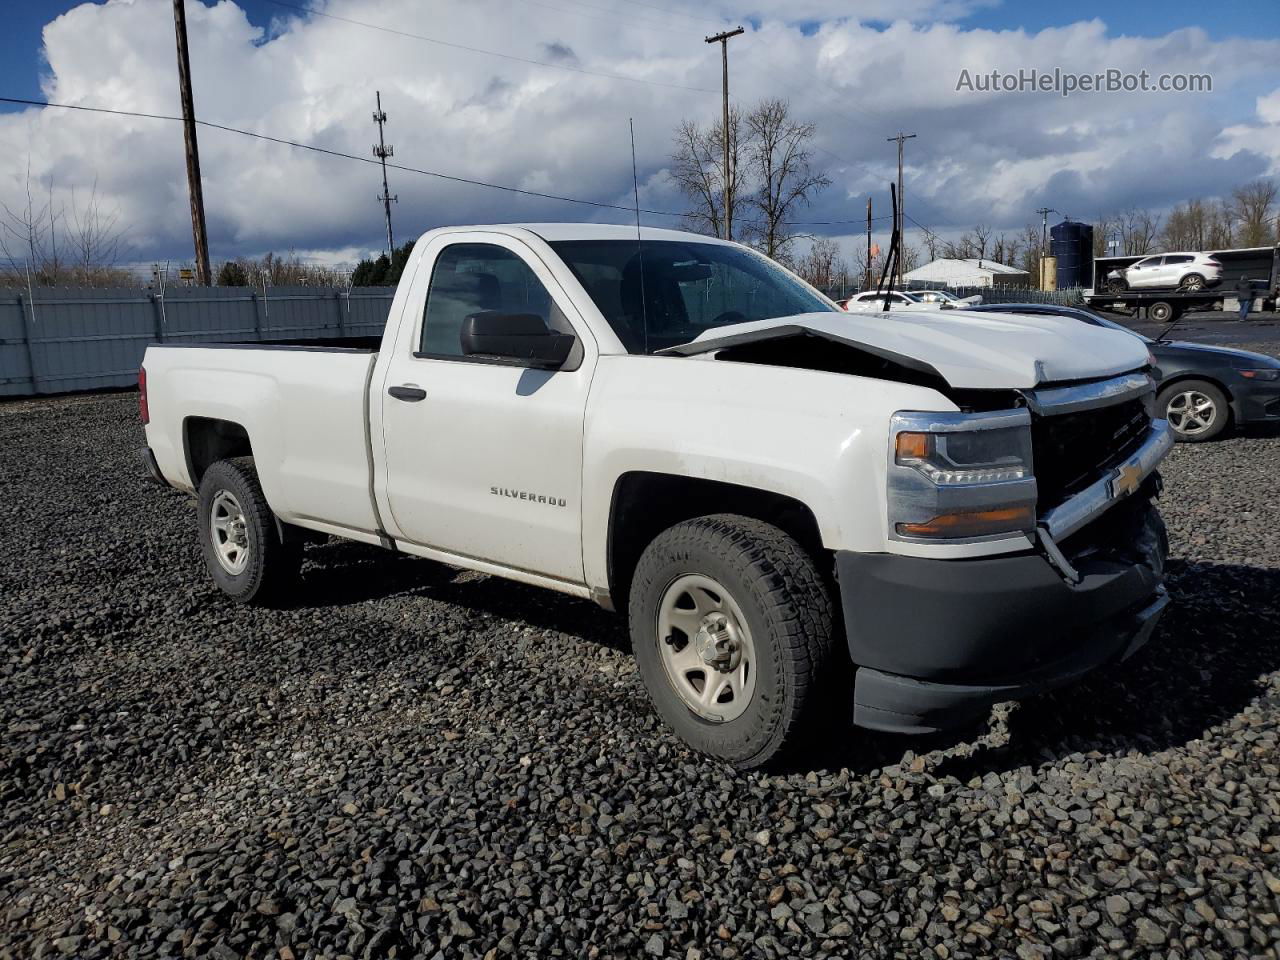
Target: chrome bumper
[[1069, 516]]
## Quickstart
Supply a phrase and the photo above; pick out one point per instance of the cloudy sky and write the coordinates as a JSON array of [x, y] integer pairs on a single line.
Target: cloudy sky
[[859, 69]]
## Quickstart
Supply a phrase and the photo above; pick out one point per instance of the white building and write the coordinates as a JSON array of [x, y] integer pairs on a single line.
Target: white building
[[969, 273]]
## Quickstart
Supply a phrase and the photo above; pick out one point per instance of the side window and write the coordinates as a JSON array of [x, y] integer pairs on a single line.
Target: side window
[[1149, 262], [1169, 261], [473, 277]]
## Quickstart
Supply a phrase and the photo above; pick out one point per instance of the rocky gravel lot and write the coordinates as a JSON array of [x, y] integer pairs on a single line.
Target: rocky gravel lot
[[411, 761]]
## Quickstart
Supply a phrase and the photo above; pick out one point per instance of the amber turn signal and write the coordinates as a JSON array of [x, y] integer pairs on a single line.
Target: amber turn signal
[[977, 523], [912, 446]]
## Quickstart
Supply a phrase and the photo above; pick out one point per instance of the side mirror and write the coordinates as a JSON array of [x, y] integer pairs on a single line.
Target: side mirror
[[521, 338]]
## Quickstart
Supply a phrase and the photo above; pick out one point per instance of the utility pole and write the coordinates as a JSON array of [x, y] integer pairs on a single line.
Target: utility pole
[[194, 188], [723, 40], [382, 151], [867, 284], [1044, 226], [1044, 239], [901, 138]]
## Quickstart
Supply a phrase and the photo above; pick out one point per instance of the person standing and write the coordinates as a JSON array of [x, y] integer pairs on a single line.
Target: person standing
[[1244, 293]]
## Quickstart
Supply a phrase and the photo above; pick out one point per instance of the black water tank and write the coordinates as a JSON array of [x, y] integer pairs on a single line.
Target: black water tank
[[1072, 244]]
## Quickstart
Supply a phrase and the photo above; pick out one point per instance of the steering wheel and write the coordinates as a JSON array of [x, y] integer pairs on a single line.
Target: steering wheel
[[730, 316]]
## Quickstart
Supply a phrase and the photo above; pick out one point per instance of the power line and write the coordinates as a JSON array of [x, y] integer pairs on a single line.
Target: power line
[[346, 156], [395, 166], [487, 53]]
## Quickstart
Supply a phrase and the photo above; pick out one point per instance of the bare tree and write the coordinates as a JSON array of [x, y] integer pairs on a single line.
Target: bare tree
[[1138, 231], [932, 243], [29, 241], [820, 265], [697, 166], [24, 232], [1031, 253], [910, 257], [1104, 229], [981, 234], [1253, 206], [782, 175], [95, 234]]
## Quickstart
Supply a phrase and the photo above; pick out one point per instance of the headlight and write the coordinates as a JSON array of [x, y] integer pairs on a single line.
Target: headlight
[[1268, 374], [956, 476]]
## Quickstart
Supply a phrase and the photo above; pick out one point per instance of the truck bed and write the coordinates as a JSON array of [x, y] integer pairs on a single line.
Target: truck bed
[[304, 404]]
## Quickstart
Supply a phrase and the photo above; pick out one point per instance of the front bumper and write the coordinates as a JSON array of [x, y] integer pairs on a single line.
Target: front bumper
[[1255, 402], [937, 642]]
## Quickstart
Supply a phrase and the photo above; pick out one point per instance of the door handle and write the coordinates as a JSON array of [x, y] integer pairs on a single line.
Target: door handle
[[408, 392]]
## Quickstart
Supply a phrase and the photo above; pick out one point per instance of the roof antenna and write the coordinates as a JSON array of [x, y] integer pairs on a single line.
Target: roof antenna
[[635, 184]]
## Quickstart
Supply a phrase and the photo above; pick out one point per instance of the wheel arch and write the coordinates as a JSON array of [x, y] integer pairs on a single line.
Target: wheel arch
[[644, 503], [206, 440], [1185, 375]]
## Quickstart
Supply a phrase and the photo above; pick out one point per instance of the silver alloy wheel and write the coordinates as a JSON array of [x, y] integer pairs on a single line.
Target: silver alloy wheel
[[1193, 282], [229, 533], [1191, 412], [706, 648]]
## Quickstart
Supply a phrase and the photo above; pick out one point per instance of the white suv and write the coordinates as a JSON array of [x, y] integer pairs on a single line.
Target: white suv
[[1167, 271]]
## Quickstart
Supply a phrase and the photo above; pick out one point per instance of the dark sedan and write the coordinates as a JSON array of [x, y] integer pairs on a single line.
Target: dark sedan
[[1203, 389]]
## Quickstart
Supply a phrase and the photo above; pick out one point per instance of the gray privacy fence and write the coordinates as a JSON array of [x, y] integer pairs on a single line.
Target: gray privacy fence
[[60, 339]]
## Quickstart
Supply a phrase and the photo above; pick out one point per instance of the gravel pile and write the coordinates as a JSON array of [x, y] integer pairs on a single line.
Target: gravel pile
[[417, 762]]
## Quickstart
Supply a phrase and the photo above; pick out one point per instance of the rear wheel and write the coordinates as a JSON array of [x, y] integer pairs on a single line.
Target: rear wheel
[[1161, 311], [734, 632], [1196, 410], [1192, 281], [248, 552]]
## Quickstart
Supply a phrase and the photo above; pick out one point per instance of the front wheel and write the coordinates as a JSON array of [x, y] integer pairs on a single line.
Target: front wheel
[[1117, 285], [247, 552], [734, 632], [1196, 410]]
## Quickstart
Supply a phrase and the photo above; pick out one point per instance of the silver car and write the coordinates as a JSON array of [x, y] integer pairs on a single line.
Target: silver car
[[1167, 271]]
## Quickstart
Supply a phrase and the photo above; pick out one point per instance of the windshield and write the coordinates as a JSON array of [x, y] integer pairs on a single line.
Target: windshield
[[689, 288]]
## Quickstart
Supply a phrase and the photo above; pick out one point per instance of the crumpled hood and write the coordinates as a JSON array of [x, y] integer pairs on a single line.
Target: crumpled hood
[[968, 350]]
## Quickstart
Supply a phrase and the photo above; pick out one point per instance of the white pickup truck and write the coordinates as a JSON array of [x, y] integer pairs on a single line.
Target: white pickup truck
[[911, 518]]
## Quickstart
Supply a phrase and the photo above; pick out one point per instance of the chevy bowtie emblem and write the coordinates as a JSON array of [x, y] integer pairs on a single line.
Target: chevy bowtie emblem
[[1126, 480]]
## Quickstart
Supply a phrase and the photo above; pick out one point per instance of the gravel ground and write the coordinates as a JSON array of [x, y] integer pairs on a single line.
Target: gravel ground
[[417, 762]]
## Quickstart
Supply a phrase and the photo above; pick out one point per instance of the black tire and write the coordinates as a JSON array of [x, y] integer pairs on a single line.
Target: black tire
[[272, 556], [1117, 286], [1186, 430], [1192, 281], [1162, 311], [787, 610]]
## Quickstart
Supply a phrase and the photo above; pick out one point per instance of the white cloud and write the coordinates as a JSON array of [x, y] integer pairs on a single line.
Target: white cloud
[[1262, 137], [990, 157]]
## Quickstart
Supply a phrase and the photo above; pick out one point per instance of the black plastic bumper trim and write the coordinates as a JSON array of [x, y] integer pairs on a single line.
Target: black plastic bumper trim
[[152, 468]]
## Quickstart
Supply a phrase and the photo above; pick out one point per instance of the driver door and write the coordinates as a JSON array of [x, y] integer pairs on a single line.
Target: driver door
[[484, 458]]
